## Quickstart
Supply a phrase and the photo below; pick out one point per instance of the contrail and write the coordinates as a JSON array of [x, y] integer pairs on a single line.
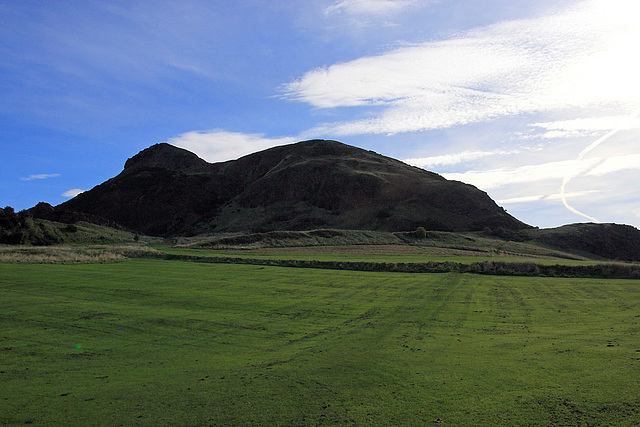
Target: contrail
[[583, 153]]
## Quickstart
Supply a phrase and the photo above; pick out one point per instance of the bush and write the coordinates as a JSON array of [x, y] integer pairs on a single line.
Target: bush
[[421, 233], [8, 218]]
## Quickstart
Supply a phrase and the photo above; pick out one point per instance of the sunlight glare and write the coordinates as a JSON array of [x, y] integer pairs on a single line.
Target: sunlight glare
[[610, 74]]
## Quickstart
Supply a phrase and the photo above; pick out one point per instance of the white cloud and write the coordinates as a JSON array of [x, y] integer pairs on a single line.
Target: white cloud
[[616, 164], [537, 198], [497, 178], [41, 176], [219, 145], [454, 159], [557, 134], [593, 124], [580, 57], [587, 126], [72, 193]]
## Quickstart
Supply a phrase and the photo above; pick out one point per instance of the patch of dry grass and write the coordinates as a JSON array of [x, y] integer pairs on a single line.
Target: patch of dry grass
[[368, 250], [68, 254]]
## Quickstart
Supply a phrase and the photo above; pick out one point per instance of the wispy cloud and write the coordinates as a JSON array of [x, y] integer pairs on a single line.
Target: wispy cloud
[[587, 126], [454, 159], [41, 176], [577, 58], [616, 164], [593, 123], [369, 7], [541, 197], [72, 193], [220, 145], [497, 178]]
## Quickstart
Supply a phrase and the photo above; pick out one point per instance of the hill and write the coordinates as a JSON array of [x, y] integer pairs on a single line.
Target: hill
[[609, 241], [165, 190]]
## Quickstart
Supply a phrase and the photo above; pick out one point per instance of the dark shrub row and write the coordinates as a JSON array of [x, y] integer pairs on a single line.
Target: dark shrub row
[[603, 271]]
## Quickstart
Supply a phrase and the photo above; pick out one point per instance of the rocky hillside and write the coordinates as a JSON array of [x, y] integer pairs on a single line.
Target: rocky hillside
[[165, 190]]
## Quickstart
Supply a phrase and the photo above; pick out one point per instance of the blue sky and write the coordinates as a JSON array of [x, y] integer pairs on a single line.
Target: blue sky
[[535, 102]]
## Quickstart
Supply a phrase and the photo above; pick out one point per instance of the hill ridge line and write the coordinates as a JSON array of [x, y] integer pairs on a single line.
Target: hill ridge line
[[169, 191]]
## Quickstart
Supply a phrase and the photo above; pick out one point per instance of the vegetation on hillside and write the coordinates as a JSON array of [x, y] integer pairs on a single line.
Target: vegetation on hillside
[[22, 228], [319, 237]]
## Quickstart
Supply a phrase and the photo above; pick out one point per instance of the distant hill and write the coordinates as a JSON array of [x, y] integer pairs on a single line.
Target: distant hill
[[165, 190], [610, 241]]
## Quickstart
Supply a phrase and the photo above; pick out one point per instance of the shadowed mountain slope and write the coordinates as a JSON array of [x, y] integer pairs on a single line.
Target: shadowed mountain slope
[[610, 241], [165, 190]]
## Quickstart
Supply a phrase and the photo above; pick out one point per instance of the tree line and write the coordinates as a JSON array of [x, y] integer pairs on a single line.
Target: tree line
[[19, 228]]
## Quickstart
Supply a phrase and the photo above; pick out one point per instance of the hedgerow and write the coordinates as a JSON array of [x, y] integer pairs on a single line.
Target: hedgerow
[[604, 271]]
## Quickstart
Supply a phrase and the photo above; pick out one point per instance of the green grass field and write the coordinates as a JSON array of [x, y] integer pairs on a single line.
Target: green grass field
[[151, 342]]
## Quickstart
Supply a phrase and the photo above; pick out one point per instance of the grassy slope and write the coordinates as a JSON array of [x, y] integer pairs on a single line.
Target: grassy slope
[[386, 254], [156, 342], [317, 241], [87, 233], [43, 232]]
